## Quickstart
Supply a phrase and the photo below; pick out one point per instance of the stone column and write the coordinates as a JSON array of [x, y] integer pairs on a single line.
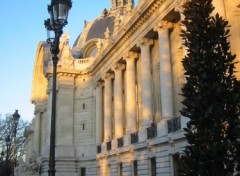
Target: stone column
[[235, 36], [37, 132], [108, 107], [166, 84], [99, 113], [147, 98], [118, 99], [219, 8], [179, 8], [131, 115]]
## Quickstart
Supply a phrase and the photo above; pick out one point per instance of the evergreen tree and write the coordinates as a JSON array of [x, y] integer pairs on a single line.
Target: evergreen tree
[[211, 94]]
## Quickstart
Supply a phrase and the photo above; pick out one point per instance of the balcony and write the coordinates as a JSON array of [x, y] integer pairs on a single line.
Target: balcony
[[174, 125], [120, 142], [134, 138], [99, 149], [151, 132], [109, 145]]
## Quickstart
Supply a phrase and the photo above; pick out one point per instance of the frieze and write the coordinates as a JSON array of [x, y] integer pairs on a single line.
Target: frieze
[[83, 93], [154, 5]]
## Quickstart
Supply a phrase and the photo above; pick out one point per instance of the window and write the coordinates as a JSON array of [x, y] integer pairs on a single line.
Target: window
[[135, 168], [176, 164], [120, 169], [83, 171], [153, 167]]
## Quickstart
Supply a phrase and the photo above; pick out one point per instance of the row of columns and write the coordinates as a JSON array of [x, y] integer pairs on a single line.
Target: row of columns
[[166, 84], [130, 89]]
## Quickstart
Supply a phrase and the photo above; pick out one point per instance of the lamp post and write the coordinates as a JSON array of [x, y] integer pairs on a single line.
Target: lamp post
[[58, 11], [15, 120], [8, 143]]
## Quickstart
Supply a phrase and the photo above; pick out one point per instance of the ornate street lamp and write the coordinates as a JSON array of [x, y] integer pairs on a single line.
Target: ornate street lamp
[[15, 120], [8, 144], [58, 11]]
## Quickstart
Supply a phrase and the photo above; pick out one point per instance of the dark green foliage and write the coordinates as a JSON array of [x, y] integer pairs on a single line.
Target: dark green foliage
[[211, 94]]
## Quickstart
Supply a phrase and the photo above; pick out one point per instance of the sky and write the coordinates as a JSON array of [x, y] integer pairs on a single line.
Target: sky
[[22, 28]]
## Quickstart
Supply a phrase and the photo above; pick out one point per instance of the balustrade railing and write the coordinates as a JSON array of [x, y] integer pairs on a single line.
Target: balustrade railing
[[134, 137], [99, 149], [151, 132], [109, 145], [120, 142], [174, 124]]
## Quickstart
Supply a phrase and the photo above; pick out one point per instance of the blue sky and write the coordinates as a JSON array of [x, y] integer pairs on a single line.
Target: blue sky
[[22, 27]]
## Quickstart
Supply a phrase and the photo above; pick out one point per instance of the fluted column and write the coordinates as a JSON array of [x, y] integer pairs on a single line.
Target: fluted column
[[219, 7], [99, 113], [166, 83], [179, 8], [108, 107], [147, 98], [131, 115], [118, 99]]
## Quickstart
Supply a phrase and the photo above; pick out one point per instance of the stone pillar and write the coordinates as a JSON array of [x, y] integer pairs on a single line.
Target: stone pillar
[[179, 8], [166, 84], [36, 134], [131, 115], [108, 107], [235, 36], [118, 99], [99, 113], [64, 117], [147, 96], [219, 8]]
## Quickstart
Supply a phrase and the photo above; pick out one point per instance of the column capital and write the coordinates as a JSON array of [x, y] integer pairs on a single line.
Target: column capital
[[144, 42], [118, 66], [99, 83], [130, 55], [108, 76], [163, 25], [40, 110], [179, 6]]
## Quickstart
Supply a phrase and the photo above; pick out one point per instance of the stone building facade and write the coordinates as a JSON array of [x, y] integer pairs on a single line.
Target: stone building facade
[[118, 92]]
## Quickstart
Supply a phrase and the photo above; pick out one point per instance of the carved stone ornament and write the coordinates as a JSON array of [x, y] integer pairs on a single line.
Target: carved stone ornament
[[179, 5], [29, 167], [163, 25]]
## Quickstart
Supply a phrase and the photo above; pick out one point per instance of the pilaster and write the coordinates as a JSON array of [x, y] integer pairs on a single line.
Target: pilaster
[[64, 116], [99, 112]]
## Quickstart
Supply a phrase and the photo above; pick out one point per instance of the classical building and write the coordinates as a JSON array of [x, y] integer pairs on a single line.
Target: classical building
[[118, 92]]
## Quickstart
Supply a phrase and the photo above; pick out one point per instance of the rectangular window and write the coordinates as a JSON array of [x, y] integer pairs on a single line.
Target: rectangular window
[[135, 168], [83, 171], [120, 169], [153, 167], [176, 164]]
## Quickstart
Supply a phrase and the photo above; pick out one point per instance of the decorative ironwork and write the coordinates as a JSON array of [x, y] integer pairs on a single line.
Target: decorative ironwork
[[109, 145], [99, 149], [174, 124], [134, 137], [151, 132], [120, 142]]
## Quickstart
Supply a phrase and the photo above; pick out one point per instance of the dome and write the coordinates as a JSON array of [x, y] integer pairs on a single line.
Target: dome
[[92, 32]]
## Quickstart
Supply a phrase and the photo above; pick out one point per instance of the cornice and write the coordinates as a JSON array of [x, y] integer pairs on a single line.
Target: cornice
[[141, 14]]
